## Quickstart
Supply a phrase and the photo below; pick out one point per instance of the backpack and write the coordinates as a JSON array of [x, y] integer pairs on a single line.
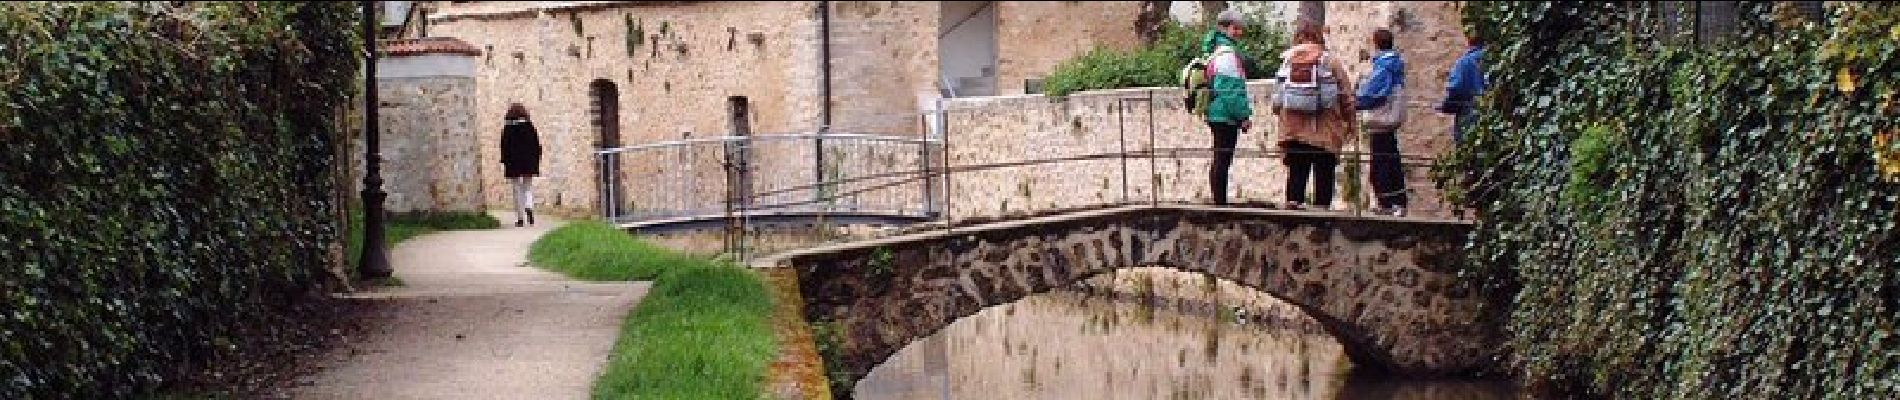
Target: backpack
[[1199, 89], [1308, 87]]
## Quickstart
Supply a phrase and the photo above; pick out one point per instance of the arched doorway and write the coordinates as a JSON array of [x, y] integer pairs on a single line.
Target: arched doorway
[[605, 114]]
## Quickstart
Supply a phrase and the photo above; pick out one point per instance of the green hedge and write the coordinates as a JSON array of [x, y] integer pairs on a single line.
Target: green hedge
[[166, 176], [1681, 222], [1158, 64]]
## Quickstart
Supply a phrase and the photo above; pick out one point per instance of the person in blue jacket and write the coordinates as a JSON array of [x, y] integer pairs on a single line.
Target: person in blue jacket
[[1465, 85], [1381, 90]]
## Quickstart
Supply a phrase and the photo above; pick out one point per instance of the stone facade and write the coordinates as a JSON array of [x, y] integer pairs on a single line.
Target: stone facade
[[685, 62], [1034, 37], [993, 130], [1387, 289], [1016, 128], [428, 142]]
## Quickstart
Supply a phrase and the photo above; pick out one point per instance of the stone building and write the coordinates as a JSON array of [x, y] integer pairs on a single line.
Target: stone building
[[605, 74], [613, 73]]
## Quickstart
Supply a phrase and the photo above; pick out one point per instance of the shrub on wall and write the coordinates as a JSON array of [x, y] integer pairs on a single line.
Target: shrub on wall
[[1683, 222], [167, 175], [1158, 64]]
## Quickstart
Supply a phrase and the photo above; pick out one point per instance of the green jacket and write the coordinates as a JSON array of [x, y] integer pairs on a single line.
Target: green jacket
[[1230, 103]]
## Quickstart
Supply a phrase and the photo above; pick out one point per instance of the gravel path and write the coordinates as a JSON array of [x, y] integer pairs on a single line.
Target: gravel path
[[472, 321]]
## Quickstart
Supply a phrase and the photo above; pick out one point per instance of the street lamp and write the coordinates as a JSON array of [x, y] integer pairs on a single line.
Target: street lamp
[[374, 262]]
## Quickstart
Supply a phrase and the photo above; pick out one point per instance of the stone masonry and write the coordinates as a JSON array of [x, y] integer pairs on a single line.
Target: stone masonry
[[428, 140], [1386, 288], [1015, 128], [676, 66]]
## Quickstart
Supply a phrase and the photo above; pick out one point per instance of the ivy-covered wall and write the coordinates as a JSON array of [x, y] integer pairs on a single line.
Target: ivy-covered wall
[[1681, 222], [166, 174]]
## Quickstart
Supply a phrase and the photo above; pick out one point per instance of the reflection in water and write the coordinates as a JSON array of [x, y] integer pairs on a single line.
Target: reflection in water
[[1110, 338]]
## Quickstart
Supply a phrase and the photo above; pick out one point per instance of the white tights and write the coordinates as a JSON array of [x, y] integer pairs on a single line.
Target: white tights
[[524, 195]]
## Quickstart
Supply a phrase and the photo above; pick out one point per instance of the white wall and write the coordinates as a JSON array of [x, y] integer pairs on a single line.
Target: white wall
[[968, 50]]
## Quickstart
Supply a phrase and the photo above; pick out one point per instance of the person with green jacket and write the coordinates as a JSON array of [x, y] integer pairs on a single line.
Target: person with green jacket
[[1229, 110]]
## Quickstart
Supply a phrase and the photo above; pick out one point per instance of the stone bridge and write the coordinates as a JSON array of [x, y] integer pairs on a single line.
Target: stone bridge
[[1387, 288]]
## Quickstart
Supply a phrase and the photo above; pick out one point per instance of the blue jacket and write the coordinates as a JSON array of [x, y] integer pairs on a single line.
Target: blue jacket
[[1466, 83], [1388, 72]]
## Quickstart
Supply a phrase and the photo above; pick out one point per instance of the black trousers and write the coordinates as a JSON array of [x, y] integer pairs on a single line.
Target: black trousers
[[1225, 135], [1304, 159], [1388, 175]]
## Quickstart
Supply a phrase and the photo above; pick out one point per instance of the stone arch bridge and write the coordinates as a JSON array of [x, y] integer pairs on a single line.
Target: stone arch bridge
[[1387, 288]]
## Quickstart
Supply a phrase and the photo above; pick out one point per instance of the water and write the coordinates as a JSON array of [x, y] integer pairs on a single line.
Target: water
[[1143, 334]]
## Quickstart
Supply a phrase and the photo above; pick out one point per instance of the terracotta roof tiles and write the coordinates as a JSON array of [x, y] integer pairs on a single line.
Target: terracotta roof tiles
[[428, 45]]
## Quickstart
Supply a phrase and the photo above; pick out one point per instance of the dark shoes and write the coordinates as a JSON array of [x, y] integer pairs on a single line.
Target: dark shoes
[[530, 218]]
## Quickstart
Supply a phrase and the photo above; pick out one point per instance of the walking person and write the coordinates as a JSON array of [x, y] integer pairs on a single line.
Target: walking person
[[1314, 104], [1464, 86], [1381, 106], [1229, 109], [520, 159]]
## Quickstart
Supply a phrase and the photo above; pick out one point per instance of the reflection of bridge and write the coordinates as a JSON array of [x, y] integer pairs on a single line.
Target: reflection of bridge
[[1386, 287]]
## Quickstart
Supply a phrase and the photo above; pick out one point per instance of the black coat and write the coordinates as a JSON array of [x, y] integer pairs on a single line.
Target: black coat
[[520, 149]]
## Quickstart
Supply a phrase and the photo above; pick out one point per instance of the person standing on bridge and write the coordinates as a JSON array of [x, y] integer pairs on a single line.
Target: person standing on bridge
[[1464, 86], [1314, 104], [1381, 105], [1229, 110], [520, 159]]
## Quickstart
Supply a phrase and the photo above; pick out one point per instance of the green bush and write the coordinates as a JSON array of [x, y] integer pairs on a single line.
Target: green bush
[[1158, 64], [703, 331], [167, 176], [1731, 237]]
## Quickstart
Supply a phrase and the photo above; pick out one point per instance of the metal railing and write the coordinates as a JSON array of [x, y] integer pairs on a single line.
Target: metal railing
[[738, 177], [769, 173]]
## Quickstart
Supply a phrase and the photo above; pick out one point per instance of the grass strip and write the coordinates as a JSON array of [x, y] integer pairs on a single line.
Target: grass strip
[[703, 331]]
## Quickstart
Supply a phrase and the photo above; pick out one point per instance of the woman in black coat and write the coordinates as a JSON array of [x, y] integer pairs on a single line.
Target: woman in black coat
[[520, 159]]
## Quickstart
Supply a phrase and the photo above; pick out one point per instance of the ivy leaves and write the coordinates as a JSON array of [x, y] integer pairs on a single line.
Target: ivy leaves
[[1713, 222], [166, 179]]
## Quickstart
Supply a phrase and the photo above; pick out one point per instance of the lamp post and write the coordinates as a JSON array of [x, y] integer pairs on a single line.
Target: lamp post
[[374, 262]]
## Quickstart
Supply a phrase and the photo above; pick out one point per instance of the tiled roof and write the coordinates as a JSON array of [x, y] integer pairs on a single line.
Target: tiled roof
[[428, 45]]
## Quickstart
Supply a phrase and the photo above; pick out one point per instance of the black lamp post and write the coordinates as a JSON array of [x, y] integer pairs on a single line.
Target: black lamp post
[[374, 262]]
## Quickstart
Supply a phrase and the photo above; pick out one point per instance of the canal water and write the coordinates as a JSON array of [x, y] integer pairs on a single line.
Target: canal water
[[1145, 333]]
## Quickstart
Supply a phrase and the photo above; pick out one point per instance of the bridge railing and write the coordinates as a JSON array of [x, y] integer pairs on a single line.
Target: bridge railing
[[1140, 146], [750, 175], [964, 165]]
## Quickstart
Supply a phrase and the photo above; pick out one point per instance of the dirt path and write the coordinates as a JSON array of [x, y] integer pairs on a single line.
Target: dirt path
[[471, 321]]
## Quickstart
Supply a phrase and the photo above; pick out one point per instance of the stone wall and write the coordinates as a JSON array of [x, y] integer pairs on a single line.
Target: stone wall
[[691, 57], [673, 82], [1034, 37], [428, 143], [994, 130]]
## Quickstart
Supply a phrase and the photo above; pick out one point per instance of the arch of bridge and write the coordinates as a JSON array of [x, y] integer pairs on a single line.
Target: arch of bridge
[[1386, 288]]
